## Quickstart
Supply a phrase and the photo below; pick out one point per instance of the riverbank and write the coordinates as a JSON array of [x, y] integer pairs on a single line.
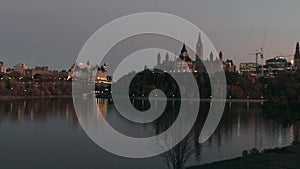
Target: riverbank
[[279, 158], [34, 97], [203, 99], [140, 98]]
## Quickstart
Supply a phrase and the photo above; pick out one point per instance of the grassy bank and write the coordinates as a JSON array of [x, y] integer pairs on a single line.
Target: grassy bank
[[283, 158]]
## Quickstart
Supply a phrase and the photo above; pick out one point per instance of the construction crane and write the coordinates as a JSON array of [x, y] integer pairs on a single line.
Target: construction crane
[[260, 52]]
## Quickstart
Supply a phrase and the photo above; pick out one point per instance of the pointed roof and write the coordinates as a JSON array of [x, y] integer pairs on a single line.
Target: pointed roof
[[221, 55], [297, 53], [183, 48], [211, 56], [199, 42]]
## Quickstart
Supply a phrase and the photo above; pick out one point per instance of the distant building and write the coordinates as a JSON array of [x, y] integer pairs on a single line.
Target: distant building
[[9, 70], [103, 82], [158, 59], [71, 71], [277, 64], [199, 48], [248, 67], [2, 67], [21, 68], [63, 73], [229, 66], [101, 74], [297, 57], [181, 64], [185, 64], [81, 70], [40, 70]]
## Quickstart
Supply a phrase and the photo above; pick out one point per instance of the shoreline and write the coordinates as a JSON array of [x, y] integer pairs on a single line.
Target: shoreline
[[139, 98], [33, 97], [268, 159]]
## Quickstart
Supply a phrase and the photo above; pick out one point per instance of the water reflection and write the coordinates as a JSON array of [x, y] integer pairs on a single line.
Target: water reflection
[[29, 126], [20, 110], [242, 128]]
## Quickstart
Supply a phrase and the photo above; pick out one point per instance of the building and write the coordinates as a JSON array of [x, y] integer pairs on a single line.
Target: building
[[297, 57], [9, 70], [158, 59], [103, 83], [229, 66], [213, 64], [21, 68], [40, 70], [248, 67], [277, 64], [184, 59], [185, 64], [199, 48], [101, 74], [82, 71], [2, 67], [181, 64]]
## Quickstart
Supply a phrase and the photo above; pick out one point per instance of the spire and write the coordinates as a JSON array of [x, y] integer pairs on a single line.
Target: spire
[[221, 56], [199, 48], [167, 57], [184, 54], [297, 53], [211, 56], [158, 59], [183, 49]]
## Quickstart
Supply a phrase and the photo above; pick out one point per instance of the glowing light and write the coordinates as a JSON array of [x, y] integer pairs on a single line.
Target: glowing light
[[292, 61]]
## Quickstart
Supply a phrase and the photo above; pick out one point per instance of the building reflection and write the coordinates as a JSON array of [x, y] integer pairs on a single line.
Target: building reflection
[[102, 105], [295, 132], [242, 126], [37, 109]]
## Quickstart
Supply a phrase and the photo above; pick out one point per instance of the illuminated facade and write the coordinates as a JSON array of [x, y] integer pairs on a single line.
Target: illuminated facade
[[101, 76], [2, 68], [21, 68], [277, 63], [248, 67], [40, 70]]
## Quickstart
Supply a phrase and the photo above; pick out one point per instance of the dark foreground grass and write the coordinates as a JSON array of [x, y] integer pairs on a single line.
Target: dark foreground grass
[[283, 158]]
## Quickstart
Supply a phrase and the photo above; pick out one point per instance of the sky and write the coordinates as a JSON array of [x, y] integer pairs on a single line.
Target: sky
[[52, 32]]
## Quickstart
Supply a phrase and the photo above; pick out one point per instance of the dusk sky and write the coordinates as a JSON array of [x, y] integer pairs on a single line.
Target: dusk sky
[[52, 32]]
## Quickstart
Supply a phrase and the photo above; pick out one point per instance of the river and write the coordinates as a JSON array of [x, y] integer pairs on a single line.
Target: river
[[45, 133]]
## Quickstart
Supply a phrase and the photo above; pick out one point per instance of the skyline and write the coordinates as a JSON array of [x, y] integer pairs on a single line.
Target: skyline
[[41, 33]]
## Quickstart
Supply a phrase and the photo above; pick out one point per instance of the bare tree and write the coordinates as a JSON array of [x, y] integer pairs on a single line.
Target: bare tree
[[177, 157]]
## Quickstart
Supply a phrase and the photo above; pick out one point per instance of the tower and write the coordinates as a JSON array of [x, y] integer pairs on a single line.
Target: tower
[[211, 57], [297, 56], [221, 56], [184, 54], [158, 59], [167, 57], [183, 50], [199, 48]]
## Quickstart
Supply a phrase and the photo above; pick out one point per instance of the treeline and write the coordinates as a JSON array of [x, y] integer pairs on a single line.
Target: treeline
[[239, 86], [283, 94], [15, 84], [243, 86]]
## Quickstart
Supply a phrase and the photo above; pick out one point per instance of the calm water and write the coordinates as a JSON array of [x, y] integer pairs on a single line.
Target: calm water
[[45, 133]]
